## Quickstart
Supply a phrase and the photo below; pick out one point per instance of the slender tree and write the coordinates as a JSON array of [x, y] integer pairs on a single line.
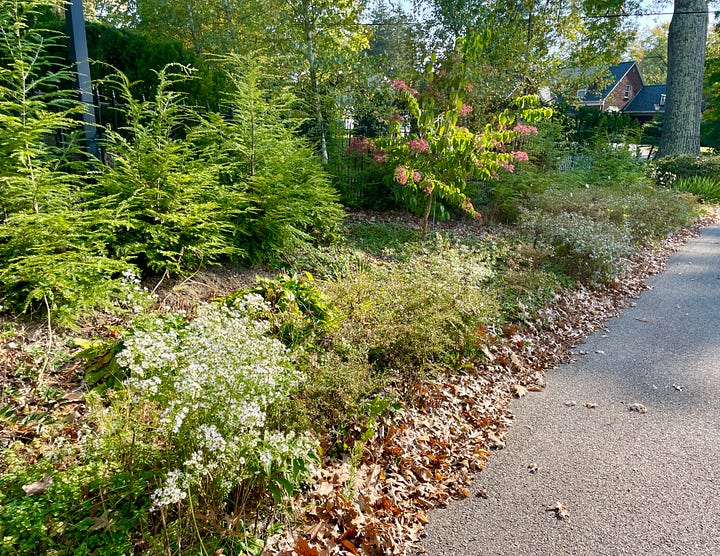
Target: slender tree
[[650, 52], [686, 62]]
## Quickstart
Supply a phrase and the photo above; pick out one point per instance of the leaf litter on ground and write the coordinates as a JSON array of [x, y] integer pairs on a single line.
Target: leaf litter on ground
[[418, 460], [430, 454]]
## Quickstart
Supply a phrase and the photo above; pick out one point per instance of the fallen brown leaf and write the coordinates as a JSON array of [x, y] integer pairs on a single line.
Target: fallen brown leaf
[[303, 548], [519, 390], [560, 509]]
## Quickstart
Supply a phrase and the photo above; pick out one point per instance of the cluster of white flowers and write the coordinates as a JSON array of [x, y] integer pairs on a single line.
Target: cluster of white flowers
[[214, 379], [134, 296], [596, 250], [174, 490]]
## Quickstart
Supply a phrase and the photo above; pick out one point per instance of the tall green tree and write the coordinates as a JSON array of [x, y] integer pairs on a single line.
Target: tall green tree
[[686, 62], [539, 39], [650, 52], [710, 126]]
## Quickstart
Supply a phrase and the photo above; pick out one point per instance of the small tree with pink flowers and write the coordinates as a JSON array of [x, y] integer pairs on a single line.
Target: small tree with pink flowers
[[433, 164]]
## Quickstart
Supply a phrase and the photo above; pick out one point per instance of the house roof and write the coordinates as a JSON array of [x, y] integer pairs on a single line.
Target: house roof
[[617, 71], [647, 100]]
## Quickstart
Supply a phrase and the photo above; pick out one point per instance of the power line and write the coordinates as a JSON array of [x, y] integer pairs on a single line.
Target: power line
[[604, 16], [648, 14]]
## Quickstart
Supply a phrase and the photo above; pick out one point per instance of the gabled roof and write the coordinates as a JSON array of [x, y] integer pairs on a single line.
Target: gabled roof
[[618, 71], [647, 101]]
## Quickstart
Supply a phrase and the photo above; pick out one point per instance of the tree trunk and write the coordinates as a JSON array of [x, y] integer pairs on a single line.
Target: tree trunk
[[686, 62], [315, 85]]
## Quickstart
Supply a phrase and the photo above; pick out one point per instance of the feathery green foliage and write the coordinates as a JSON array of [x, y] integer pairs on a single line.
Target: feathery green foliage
[[166, 211], [269, 172], [52, 255]]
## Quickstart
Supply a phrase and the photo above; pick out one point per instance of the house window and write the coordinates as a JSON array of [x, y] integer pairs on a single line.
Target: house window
[[581, 94], [662, 100], [627, 92]]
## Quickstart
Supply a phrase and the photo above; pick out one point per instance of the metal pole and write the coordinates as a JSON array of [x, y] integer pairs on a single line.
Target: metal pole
[[75, 25]]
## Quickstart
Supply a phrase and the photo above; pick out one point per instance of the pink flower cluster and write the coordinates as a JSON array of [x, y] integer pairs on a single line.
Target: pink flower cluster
[[526, 130], [360, 145], [401, 175], [465, 109], [467, 206], [520, 156], [380, 157], [499, 146], [400, 85], [418, 145], [507, 166], [417, 177], [396, 117]]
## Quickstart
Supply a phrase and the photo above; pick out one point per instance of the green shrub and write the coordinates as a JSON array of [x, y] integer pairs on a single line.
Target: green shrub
[[613, 163], [165, 208], [408, 317], [704, 187], [279, 199], [688, 166], [582, 248], [511, 191], [648, 213], [297, 309], [52, 251]]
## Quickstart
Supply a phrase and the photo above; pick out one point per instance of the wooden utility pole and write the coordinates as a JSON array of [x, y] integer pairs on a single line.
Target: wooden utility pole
[[75, 26]]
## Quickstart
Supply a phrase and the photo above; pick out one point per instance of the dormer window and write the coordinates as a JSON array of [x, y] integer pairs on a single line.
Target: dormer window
[[662, 100], [627, 92], [581, 94]]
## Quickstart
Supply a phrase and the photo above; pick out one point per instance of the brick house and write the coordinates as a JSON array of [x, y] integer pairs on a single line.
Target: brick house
[[627, 93]]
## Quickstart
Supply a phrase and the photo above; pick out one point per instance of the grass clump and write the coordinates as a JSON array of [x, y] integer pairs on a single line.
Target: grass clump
[[704, 187]]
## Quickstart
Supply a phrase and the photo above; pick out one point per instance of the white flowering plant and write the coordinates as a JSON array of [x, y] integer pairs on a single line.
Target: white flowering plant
[[584, 249], [296, 311], [217, 383]]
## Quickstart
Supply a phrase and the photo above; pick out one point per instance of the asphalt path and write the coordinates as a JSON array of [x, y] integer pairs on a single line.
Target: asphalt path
[[632, 482]]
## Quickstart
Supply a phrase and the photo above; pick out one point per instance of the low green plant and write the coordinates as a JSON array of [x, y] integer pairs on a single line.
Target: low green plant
[[402, 319], [86, 508], [705, 187], [298, 311], [582, 248], [648, 213], [217, 385], [687, 166]]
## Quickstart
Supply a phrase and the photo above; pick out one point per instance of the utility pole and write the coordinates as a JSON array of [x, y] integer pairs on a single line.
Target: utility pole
[[75, 26]]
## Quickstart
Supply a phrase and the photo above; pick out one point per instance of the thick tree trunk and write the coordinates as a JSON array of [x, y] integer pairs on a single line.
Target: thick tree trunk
[[686, 63]]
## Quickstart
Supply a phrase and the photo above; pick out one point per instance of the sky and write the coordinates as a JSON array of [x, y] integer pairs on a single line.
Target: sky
[[662, 12]]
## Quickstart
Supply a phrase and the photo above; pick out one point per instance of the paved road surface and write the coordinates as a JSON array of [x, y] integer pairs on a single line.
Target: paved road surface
[[633, 483]]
